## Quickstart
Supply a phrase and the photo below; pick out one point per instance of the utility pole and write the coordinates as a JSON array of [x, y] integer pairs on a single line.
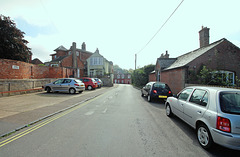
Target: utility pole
[[135, 61]]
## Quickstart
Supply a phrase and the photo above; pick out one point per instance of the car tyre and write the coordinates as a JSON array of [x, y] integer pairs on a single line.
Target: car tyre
[[72, 91], [89, 87], [48, 89], [149, 98], [204, 136], [169, 111], [142, 95]]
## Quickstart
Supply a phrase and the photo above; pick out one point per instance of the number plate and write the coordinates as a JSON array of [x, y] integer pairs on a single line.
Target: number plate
[[161, 96]]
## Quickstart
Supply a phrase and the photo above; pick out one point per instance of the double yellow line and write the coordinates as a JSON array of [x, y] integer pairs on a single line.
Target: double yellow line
[[13, 138]]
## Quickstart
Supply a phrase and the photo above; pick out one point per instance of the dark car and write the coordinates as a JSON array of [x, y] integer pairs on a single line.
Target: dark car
[[156, 90]]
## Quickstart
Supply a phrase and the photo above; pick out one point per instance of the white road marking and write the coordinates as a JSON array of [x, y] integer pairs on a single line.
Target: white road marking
[[105, 110], [89, 113]]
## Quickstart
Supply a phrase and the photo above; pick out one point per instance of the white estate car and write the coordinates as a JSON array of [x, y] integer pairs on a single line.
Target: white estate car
[[214, 113]]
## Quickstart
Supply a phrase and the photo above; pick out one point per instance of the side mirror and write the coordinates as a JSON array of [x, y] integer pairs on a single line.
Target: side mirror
[[175, 95]]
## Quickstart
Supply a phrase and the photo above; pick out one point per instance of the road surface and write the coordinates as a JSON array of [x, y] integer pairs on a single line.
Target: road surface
[[118, 123]]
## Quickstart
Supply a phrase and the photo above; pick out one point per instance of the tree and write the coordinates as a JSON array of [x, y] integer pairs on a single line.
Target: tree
[[140, 76], [12, 44]]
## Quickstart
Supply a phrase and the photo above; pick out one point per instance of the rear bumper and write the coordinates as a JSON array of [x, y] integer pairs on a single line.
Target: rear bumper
[[81, 88], [228, 140]]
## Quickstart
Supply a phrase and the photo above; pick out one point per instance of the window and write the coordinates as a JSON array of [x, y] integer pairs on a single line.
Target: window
[[58, 81], [91, 72], [118, 76], [67, 81], [77, 53], [85, 80], [122, 76], [229, 102], [96, 61], [129, 76], [185, 94], [199, 97], [54, 65]]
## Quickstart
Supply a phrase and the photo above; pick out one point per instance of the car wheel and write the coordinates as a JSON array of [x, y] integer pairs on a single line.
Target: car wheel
[[72, 91], [169, 111], [48, 89], [204, 137], [89, 88], [149, 98], [142, 94]]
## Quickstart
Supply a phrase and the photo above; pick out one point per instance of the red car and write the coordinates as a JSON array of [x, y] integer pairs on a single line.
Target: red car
[[90, 83]]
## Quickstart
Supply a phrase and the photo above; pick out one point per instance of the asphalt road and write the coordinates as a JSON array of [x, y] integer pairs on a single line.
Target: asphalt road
[[118, 123]]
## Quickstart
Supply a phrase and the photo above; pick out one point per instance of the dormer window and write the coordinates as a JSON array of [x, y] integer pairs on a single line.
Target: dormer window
[[69, 52]]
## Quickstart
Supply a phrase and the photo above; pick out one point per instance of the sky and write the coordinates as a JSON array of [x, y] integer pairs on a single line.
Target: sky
[[122, 28]]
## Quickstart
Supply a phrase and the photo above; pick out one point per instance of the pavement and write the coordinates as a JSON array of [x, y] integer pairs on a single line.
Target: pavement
[[20, 111]]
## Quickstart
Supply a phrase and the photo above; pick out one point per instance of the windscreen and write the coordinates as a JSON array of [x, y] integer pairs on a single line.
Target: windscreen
[[230, 102]]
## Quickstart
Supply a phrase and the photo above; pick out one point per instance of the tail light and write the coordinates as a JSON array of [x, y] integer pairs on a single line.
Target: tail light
[[155, 91], [76, 84], [169, 92], [223, 124]]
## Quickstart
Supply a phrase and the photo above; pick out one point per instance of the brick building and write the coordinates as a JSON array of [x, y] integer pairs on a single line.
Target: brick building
[[73, 58], [221, 55], [122, 78]]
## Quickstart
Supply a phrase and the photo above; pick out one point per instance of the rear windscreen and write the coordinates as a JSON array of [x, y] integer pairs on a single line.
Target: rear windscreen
[[161, 85], [230, 102]]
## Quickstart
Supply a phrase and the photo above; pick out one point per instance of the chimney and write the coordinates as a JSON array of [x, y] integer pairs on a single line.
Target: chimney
[[83, 46], [204, 36], [166, 55], [74, 55]]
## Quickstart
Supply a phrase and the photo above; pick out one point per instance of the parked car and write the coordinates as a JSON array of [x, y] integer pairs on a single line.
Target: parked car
[[70, 85], [156, 90], [214, 113], [90, 83], [99, 82]]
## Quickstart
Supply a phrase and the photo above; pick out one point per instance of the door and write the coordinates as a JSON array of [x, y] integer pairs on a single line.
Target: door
[[181, 102], [57, 85], [195, 107], [65, 85]]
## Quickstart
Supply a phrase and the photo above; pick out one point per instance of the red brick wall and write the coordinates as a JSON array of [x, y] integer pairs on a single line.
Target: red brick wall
[[30, 71], [174, 78], [225, 56], [151, 77]]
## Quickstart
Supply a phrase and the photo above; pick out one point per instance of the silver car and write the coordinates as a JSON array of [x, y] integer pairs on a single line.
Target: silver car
[[70, 85], [214, 113]]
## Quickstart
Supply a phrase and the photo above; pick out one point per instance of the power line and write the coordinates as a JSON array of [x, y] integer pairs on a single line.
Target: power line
[[157, 32], [161, 27]]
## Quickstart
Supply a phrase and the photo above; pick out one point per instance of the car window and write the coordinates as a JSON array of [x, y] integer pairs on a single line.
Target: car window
[[185, 94], [85, 80], [67, 81], [148, 86], [199, 97], [161, 86], [58, 81], [230, 102]]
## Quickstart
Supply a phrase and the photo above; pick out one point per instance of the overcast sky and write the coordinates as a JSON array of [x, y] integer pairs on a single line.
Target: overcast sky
[[121, 28]]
